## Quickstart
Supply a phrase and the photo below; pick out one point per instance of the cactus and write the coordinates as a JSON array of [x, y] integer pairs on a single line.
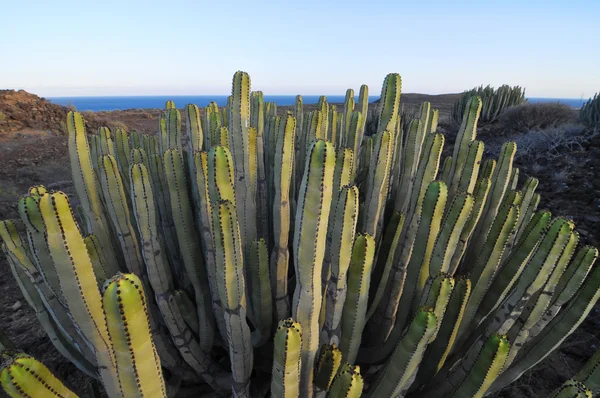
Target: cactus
[[433, 280], [24, 376], [589, 113], [495, 101]]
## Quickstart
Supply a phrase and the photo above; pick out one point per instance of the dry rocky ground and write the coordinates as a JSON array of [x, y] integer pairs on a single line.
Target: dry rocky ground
[[33, 150]]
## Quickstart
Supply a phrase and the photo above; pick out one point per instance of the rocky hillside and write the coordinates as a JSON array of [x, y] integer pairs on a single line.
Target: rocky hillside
[[20, 110]]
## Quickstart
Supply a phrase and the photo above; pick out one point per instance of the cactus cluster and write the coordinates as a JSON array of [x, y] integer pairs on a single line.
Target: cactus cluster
[[494, 101], [589, 113], [290, 254]]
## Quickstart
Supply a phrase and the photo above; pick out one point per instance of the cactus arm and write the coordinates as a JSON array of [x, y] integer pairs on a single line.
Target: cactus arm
[[537, 305], [342, 231], [575, 274], [333, 125], [527, 204], [87, 185], [355, 305], [194, 128], [173, 130], [377, 190], [390, 102], [309, 250], [188, 244], [263, 215], [19, 259], [470, 171], [205, 229], [488, 260], [24, 376], [444, 173], [285, 377], [343, 169], [500, 181], [348, 383], [514, 179], [426, 170], [385, 260], [261, 299], [447, 240], [568, 285], [388, 322], [589, 374], [532, 279], [122, 154], [107, 146], [402, 365], [99, 263], [514, 266], [440, 348], [355, 135], [137, 361], [239, 142], [78, 283], [466, 134], [561, 327], [232, 291], [114, 195], [327, 366], [573, 389], [160, 190], [489, 364], [30, 214], [410, 159], [70, 346]]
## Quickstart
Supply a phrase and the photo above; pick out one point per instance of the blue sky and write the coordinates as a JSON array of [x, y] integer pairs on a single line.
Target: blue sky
[[55, 48]]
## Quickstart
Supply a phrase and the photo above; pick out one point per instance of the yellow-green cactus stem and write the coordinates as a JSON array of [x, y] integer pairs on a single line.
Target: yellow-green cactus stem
[[87, 185], [25, 376], [138, 363], [338, 255], [348, 383], [78, 283], [401, 368], [282, 184], [573, 389], [312, 214], [232, 291], [287, 360], [327, 367], [355, 304]]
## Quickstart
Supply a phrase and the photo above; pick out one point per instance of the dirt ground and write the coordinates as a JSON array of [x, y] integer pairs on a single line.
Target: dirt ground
[[36, 156]]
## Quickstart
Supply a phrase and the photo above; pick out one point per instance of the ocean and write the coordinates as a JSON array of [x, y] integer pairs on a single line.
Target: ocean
[[153, 102]]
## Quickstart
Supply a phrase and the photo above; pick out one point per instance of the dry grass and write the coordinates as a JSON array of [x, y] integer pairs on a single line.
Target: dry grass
[[552, 142], [539, 116]]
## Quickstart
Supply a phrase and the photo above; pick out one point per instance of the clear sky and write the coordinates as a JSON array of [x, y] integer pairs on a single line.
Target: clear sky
[[131, 47]]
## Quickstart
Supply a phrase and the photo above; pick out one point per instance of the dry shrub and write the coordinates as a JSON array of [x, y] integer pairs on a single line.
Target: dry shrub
[[538, 116], [553, 141]]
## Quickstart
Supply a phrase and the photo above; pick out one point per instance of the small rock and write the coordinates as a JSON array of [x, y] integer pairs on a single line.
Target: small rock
[[16, 306]]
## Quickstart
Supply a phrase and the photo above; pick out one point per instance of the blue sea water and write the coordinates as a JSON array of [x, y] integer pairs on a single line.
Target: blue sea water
[[152, 102], [135, 102], [574, 102]]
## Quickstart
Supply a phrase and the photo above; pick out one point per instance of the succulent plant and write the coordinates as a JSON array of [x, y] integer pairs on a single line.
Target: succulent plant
[[263, 251], [589, 113], [494, 101]]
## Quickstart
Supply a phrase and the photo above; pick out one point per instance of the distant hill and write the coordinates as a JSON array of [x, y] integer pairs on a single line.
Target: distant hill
[[20, 110]]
